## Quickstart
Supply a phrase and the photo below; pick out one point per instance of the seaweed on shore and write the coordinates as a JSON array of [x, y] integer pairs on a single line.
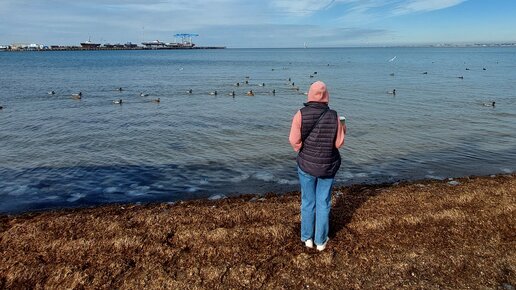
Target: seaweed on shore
[[428, 234]]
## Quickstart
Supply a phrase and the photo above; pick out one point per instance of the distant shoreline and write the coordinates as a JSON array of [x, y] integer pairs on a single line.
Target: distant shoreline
[[112, 48], [77, 48]]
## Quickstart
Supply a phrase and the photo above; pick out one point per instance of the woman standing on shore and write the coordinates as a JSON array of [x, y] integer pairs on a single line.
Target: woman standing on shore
[[316, 134]]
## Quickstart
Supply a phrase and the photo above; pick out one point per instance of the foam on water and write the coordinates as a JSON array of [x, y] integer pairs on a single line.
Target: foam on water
[[289, 182], [345, 175], [135, 193], [217, 197], [436, 177], [110, 189], [192, 189], [75, 197], [361, 175], [240, 178], [264, 176]]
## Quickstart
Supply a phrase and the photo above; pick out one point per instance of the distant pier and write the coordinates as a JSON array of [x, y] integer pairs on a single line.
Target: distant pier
[[185, 43]]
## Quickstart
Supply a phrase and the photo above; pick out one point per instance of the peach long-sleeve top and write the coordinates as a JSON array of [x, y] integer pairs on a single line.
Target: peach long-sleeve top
[[295, 133]]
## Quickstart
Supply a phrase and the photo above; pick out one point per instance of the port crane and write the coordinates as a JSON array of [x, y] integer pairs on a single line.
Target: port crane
[[186, 38]]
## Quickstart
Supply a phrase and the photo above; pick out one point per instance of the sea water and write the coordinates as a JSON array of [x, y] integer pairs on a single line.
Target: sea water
[[57, 151]]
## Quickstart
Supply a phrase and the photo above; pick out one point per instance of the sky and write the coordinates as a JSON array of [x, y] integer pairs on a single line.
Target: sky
[[260, 23]]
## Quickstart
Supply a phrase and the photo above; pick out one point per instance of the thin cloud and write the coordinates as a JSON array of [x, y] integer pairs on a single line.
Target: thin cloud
[[168, 6], [372, 10], [268, 35], [301, 7], [424, 6], [359, 10]]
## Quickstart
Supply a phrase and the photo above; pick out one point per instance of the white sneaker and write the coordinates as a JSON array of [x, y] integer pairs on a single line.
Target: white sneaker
[[309, 243], [323, 246]]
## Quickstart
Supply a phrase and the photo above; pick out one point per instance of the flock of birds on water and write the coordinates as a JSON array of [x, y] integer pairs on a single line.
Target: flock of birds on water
[[393, 91], [79, 95]]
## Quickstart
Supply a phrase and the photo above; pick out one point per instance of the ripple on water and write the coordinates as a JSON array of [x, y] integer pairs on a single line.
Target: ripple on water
[[17, 190], [52, 197]]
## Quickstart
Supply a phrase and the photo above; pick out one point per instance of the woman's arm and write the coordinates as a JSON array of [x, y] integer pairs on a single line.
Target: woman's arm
[[295, 132], [341, 133]]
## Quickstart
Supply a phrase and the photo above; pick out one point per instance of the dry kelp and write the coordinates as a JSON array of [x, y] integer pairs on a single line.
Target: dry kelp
[[429, 235]]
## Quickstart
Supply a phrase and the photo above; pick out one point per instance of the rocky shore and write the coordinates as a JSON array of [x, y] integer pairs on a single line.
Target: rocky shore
[[453, 234]]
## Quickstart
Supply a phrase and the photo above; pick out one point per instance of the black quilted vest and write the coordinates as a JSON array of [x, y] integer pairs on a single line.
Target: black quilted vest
[[318, 156]]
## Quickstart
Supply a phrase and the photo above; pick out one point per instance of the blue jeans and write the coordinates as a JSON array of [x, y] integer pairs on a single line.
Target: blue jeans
[[315, 207]]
